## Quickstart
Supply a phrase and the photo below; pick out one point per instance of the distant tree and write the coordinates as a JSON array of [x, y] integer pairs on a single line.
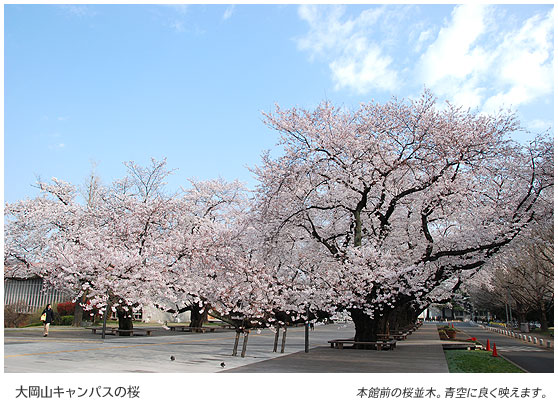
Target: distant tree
[[522, 276], [101, 251]]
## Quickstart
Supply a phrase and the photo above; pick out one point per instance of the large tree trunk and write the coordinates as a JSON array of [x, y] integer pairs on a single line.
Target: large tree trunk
[[78, 312], [125, 320], [367, 328], [78, 315], [197, 319], [402, 316]]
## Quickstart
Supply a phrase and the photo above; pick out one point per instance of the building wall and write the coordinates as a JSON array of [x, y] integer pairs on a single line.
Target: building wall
[[30, 295]]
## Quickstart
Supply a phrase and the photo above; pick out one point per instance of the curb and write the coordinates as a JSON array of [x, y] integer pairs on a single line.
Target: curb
[[544, 343], [513, 363]]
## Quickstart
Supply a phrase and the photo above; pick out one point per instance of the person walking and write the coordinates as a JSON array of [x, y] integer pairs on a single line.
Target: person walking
[[47, 316]]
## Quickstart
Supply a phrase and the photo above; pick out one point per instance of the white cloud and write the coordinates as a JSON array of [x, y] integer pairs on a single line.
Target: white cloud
[[355, 60], [540, 124], [424, 37], [229, 12], [181, 9], [177, 26], [478, 61], [57, 146], [363, 71], [79, 10], [482, 56], [524, 69], [452, 63]]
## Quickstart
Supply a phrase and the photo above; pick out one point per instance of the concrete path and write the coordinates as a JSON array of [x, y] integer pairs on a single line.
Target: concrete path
[[421, 352], [78, 350]]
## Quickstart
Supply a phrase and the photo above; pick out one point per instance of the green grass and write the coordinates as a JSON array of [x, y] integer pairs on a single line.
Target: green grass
[[549, 332], [33, 324], [466, 361]]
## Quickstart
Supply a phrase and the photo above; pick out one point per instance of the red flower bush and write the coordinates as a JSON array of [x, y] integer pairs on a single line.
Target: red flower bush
[[65, 308]]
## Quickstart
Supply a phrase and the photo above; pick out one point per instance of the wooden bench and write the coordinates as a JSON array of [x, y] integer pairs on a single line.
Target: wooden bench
[[398, 334], [181, 328], [379, 345], [191, 329], [338, 343], [133, 332], [108, 331], [117, 332]]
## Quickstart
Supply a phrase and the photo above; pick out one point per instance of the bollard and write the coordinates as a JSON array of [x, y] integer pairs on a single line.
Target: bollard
[[535, 340], [541, 341]]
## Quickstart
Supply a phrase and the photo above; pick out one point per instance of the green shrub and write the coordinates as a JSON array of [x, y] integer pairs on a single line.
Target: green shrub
[[67, 320], [35, 317]]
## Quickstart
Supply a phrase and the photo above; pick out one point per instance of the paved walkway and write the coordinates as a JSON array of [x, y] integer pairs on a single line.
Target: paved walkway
[[421, 352], [78, 350]]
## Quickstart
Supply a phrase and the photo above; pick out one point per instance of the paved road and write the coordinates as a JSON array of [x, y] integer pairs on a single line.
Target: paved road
[[530, 357]]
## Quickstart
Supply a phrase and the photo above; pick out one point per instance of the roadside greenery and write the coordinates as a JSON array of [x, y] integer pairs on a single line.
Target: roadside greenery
[[467, 361]]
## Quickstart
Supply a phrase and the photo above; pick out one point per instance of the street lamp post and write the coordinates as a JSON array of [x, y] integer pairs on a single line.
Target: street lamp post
[[509, 306], [307, 331]]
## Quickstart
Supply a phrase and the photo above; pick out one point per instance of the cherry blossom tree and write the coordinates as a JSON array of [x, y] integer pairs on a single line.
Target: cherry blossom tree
[[106, 249], [396, 203], [132, 244], [378, 211], [198, 243]]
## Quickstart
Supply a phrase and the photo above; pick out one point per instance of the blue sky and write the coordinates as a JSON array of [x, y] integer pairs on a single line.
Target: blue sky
[[114, 83]]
